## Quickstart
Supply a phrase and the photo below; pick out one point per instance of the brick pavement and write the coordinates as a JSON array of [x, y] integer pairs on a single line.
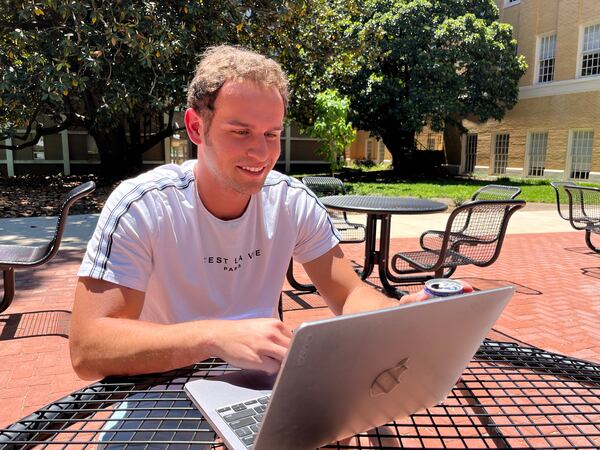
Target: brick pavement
[[556, 307]]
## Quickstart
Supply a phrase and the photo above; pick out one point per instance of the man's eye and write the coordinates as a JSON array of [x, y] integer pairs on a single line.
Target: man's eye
[[240, 132]]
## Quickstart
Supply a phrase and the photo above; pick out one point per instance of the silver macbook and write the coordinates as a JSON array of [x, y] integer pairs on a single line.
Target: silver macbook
[[347, 374]]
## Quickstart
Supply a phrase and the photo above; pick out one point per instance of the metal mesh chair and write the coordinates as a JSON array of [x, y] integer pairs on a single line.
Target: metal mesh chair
[[562, 198], [322, 186], [349, 232], [496, 192], [474, 235], [20, 256], [584, 211]]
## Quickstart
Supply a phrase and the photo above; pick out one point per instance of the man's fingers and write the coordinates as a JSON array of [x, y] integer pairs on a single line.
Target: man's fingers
[[275, 351], [270, 365], [466, 286], [286, 330], [418, 297], [283, 337]]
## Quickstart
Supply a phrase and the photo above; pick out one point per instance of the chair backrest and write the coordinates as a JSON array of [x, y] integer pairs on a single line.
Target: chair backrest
[[584, 206], [562, 198], [74, 194], [496, 192], [476, 229], [323, 186]]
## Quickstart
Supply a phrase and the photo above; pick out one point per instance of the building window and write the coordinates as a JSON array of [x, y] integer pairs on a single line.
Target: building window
[[581, 154], [538, 145], [369, 149], [39, 151], [471, 153], [380, 151], [546, 58], [501, 154], [590, 55], [508, 3]]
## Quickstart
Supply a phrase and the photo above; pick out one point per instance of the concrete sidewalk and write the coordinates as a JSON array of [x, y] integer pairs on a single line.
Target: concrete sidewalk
[[37, 230], [534, 218]]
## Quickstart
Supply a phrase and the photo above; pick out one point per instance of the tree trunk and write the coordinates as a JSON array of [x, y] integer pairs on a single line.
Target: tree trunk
[[401, 144], [453, 131], [118, 157]]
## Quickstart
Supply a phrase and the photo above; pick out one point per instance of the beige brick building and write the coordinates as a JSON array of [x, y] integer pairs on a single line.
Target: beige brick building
[[554, 130]]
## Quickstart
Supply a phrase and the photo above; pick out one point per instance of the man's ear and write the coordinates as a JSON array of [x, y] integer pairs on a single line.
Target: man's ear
[[194, 126]]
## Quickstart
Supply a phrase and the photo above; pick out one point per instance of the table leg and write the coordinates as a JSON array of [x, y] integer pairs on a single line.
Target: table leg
[[383, 256], [9, 288], [370, 251], [379, 256]]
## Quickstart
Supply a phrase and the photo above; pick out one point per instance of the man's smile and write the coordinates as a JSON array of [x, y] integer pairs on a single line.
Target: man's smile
[[253, 169]]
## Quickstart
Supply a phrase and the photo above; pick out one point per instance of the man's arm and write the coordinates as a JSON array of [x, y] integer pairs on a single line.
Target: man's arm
[[107, 337], [343, 291]]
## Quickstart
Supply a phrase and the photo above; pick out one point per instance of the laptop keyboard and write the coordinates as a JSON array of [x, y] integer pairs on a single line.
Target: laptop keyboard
[[245, 418]]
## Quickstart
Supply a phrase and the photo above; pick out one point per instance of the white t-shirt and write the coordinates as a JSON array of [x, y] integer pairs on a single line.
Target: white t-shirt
[[155, 235]]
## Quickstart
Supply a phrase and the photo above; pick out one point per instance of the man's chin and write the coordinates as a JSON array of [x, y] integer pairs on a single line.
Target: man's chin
[[250, 188]]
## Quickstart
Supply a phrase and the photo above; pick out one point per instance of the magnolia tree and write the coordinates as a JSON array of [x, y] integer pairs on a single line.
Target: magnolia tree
[[430, 62], [117, 69]]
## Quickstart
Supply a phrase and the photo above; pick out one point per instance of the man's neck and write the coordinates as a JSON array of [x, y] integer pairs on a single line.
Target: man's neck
[[223, 203]]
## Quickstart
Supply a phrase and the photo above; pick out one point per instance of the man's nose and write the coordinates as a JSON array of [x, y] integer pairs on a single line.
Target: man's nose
[[259, 147]]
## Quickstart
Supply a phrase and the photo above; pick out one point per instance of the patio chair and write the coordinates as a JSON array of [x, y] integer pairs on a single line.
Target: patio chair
[[562, 198], [322, 186], [21, 256], [584, 211], [496, 192], [474, 235], [349, 232]]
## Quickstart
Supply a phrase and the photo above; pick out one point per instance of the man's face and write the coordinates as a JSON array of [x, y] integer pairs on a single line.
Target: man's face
[[243, 141]]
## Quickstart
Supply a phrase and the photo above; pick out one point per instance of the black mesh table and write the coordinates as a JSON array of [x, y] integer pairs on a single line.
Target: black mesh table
[[381, 209], [509, 396]]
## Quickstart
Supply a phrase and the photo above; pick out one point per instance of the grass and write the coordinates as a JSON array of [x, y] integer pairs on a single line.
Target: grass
[[380, 181]]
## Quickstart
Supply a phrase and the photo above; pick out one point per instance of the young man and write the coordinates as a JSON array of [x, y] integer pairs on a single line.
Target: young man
[[188, 261]]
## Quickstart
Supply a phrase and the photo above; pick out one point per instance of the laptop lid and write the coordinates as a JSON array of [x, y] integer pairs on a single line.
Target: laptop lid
[[347, 374]]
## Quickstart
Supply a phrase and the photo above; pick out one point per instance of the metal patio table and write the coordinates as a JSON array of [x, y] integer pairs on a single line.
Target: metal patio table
[[381, 209], [510, 396]]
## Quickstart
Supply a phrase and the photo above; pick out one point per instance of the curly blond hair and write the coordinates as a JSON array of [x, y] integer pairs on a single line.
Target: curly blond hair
[[226, 63]]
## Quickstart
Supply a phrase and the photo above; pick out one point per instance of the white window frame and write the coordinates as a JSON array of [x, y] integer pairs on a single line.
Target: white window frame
[[509, 3], [538, 51], [493, 155], [569, 161], [369, 142], [580, 51], [39, 150], [380, 151], [528, 161], [466, 150]]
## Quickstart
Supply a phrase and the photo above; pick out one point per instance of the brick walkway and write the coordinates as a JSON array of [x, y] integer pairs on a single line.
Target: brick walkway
[[556, 307]]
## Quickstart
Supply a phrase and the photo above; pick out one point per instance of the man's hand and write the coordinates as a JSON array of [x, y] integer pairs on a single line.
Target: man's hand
[[108, 338], [421, 295], [259, 344]]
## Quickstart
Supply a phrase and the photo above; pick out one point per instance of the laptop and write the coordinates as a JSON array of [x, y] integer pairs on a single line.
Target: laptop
[[344, 375]]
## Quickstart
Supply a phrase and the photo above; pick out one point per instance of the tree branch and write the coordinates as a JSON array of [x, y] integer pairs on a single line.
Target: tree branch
[[158, 137], [40, 130]]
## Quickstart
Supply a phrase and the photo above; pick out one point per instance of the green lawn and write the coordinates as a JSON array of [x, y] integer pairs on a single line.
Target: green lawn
[[381, 182]]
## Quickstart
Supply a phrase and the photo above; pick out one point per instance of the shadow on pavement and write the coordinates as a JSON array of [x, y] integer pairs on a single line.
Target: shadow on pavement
[[34, 324]]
